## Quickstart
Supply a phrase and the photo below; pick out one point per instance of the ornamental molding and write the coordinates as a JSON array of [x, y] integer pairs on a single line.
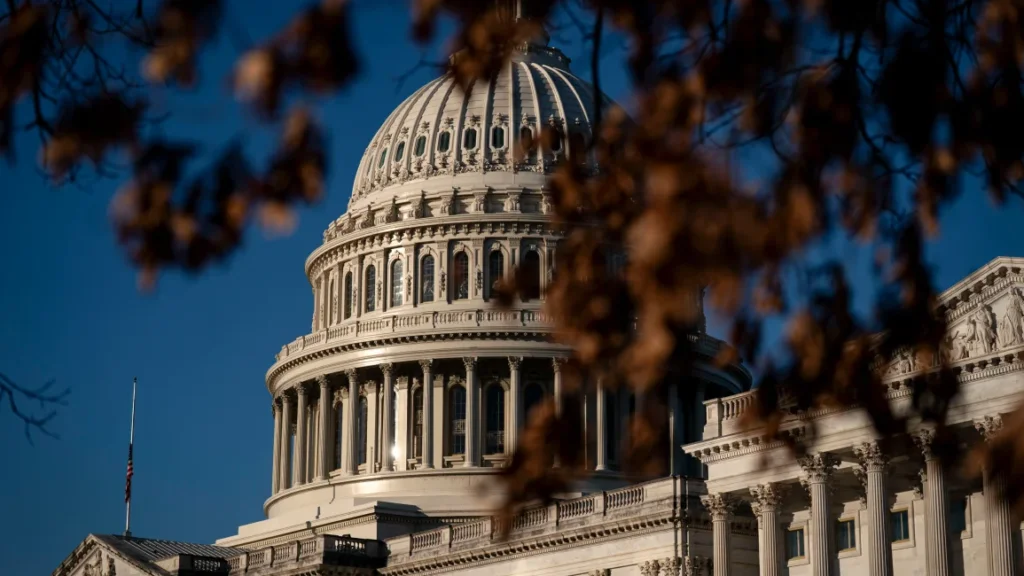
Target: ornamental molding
[[989, 426], [767, 498], [720, 506], [871, 457], [818, 468]]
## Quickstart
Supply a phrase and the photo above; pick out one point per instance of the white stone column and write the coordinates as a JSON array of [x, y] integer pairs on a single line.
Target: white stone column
[[349, 437], [767, 499], [286, 443], [556, 365], [515, 405], [472, 416], [720, 507], [326, 453], [427, 461], [402, 431], [1000, 527], [275, 479], [817, 473], [879, 544], [300, 436], [387, 460], [937, 517], [601, 428], [372, 439]]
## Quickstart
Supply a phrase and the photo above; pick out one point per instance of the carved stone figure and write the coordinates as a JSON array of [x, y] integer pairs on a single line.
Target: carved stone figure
[[1015, 317], [986, 330], [479, 280], [443, 283]]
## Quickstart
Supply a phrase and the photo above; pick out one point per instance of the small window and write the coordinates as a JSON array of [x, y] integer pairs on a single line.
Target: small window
[[469, 139], [578, 148], [427, 279], [383, 158], [421, 146], [460, 276], [556, 141], [497, 268], [444, 141], [498, 137], [900, 525], [399, 151], [958, 516], [846, 535], [526, 141], [530, 276], [371, 289], [396, 283], [795, 544], [457, 422]]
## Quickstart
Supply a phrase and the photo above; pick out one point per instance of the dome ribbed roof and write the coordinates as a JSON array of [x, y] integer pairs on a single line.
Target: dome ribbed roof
[[442, 136]]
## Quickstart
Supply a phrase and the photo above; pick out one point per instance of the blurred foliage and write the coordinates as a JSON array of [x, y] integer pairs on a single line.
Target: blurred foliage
[[854, 99]]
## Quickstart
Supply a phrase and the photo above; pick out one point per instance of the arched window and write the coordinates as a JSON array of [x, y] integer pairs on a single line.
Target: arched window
[[556, 141], [496, 267], [610, 420], [427, 279], [531, 275], [383, 158], [371, 288], [339, 428], [348, 295], [578, 148], [361, 431], [532, 396], [457, 423], [469, 139], [460, 276], [497, 137], [527, 142], [420, 146], [399, 151], [396, 283], [417, 423], [444, 141], [495, 419]]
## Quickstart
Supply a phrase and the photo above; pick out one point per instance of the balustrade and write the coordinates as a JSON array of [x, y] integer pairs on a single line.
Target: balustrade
[[625, 497]]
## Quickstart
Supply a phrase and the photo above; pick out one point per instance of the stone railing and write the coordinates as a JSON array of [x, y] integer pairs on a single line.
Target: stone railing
[[190, 564], [538, 520], [413, 322], [321, 549]]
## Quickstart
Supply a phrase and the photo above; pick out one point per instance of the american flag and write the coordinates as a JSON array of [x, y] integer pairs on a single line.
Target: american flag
[[128, 476]]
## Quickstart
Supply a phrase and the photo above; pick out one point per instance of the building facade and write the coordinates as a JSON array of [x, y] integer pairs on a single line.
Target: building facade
[[392, 417]]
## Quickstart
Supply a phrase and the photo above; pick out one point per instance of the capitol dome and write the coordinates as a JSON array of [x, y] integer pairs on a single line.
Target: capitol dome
[[406, 396]]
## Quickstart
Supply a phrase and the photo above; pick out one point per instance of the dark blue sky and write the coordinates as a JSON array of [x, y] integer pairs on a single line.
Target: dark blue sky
[[70, 311]]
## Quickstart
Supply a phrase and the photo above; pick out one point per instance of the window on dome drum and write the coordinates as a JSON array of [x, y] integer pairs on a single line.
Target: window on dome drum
[[496, 268], [610, 420], [361, 432], [383, 158], [457, 424], [427, 279], [495, 419], [497, 137], [531, 275], [416, 450], [396, 283], [556, 141], [900, 520], [444, 141], [370, 288], [526, 141], [339, 427], [533, 395], [578, 148], [469, 139], [795, 544], [348, 295], [421, 146], [460, 276], [399, 151], [846, 534]]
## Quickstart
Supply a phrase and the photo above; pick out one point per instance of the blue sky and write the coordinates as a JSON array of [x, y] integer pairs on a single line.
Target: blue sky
[[70, 311]]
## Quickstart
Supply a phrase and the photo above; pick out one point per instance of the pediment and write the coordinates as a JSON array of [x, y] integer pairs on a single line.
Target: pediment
[[93, 557]]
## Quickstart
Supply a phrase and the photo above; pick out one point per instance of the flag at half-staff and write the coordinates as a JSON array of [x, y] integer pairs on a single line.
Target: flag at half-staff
[[131, 470]]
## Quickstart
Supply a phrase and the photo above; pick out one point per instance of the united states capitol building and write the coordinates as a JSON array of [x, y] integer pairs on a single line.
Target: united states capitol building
[[392, 417]]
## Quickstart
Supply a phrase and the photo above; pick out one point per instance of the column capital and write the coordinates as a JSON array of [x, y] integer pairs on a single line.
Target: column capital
[[469, 362], [818, 468], [368, 387], [426, 364], [323, 381], [871, 457], [514, 362], [352, 375], [650, 568], [339, 395], [696, 566], [387, 368], [285, 397], [670, 566], [556, 364], [300, 390], [767, 497], [924, 439], [719, 505], [989, 426]]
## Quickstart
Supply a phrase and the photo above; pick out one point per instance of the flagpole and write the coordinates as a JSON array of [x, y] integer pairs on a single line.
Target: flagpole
[[130, 473]]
